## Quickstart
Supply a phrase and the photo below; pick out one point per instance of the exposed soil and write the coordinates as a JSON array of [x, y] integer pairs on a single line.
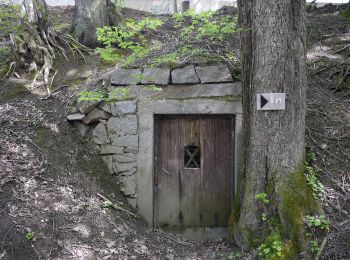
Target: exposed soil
[[50, 177]]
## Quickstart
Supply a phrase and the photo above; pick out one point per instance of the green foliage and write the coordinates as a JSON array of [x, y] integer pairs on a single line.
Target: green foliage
[[107, 204], [117, 94], [153, 88], [128, 36], [346, 13], [262, 197], [318, 222], [233, 256], [109, 54], [205, 26], [311, 175], [30, 235], [314, 247], [272, 248], [9, 19]]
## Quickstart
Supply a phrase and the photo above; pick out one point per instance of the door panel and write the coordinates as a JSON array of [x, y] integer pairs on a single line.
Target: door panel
[[193, 176]]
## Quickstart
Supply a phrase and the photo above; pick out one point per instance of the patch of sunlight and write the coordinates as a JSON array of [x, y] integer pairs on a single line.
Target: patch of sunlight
[[321, 52], [52, 127], [83, 230]]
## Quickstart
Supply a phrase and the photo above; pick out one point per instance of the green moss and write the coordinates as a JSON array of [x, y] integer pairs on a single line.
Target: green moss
[[12, 92], [234, 217], [296, 201]]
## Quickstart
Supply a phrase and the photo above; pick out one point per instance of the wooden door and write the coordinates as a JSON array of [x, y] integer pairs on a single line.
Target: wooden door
[[193, 175]]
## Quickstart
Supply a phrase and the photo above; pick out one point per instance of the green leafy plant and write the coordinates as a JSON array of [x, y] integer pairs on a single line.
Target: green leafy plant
[[233, 256], [311, 175], [271, 248], [318, 222], [9, 19], [107, 204], [116, 94], [128, 36], [262, 197], [30, 235], [314, 247]]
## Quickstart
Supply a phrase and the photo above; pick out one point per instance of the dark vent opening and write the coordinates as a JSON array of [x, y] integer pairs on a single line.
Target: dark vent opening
[[192, 156]]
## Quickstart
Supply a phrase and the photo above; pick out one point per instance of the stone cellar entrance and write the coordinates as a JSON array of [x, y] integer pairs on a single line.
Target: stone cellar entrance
[[193, 170]]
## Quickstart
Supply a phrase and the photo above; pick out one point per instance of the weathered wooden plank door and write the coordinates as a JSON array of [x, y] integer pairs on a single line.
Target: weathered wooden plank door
[[193, 175]]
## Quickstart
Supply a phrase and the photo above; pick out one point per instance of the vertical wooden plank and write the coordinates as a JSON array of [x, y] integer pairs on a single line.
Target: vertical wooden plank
[[217, 158], [167, 173], [189, 135]]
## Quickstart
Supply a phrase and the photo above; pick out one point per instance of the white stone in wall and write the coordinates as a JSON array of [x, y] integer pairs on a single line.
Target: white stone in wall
[[95, 116], [123, 167], [99, 134], [126, 141], [111, 149], [124, 158], [108, 159], [128, 185], [121, 126], [123, 108]]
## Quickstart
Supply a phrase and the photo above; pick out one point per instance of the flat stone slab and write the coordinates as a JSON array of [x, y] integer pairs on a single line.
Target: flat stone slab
[[126, 141], [99, 134], [125, 77], [185, 75], [156, 76], [123, 108], [76, 116], [121, 126], [95, 116], [214, 74], [86, 106], [111, 149], [201, 91]]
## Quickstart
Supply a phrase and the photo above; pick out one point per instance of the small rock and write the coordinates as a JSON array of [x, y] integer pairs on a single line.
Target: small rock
[[83, 129], [169, 257], [95, 116], [111, 149], [105, 107], [77, 116], [127, 140], [214, 74], [124, 158], [121, 126], [86, 106], [100, 134], [108, 159], [125, 77], [123, 108], [186, 75], [123, 167], [156, 76], [128, 185]]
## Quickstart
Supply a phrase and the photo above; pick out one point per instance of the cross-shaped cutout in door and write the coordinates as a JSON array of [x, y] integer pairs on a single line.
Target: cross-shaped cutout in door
[[192, 157]]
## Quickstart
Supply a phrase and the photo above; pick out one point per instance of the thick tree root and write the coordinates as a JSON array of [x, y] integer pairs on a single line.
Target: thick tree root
[[36, 51]]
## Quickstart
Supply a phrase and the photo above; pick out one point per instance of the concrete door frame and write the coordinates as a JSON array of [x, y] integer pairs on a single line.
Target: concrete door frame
[[145, 161]]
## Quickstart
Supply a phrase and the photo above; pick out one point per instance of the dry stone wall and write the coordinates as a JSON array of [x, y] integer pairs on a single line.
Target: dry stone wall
[[113, 127]]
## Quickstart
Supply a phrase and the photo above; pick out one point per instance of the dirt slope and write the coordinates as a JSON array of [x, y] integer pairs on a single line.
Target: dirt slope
[[50, 177]]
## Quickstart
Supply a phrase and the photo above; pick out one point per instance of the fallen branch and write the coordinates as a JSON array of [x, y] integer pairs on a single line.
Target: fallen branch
[[115, 206]]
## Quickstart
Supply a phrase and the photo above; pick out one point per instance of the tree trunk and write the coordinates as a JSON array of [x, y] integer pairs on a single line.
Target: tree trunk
[[273, 61], [90, 15], [176, 10]]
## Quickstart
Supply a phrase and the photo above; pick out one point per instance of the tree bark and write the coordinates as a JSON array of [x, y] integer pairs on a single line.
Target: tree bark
[[90, 15], [273, 61], [176, 10]]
